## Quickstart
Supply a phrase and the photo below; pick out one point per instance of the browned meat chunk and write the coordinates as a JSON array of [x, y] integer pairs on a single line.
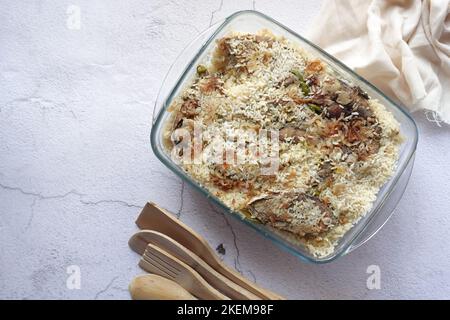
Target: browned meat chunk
[[368, 138], [228, 176], [339, 98], [189, 108], [334, 110], [325, 170], [291, 133], [298, 213], [211, 84]]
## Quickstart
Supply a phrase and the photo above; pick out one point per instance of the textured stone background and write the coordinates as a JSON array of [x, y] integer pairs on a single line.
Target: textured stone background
[[76, 164]]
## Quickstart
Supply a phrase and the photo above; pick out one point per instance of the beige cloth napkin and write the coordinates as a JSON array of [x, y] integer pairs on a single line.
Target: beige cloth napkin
[[401, 46]]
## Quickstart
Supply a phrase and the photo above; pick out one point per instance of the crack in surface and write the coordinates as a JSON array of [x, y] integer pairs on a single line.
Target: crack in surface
[[252, 275], [237, 263], [106, 288], [39, 196], [120, 289], [214, 12], [124, 203], [73, 114], [30, 219], [181, 200]]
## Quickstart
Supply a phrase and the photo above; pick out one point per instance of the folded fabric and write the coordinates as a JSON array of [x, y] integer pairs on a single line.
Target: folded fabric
[[401, 46]]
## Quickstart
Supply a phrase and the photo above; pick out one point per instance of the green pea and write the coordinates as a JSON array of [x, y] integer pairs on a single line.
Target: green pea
[[201, 69]]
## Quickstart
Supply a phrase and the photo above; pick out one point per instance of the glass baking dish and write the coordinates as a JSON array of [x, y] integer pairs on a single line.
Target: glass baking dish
[[200, 50]]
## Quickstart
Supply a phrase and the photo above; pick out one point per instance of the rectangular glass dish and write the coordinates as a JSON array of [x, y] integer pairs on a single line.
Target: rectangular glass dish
[[200, 51]]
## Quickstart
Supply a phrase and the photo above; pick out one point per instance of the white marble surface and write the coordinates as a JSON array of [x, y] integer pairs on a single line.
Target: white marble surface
[[76, 165]]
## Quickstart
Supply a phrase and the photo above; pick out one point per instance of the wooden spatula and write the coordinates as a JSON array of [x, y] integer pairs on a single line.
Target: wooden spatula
[[155, 218]]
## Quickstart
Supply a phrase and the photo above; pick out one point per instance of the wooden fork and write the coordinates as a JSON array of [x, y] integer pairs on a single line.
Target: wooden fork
[[158, 261]]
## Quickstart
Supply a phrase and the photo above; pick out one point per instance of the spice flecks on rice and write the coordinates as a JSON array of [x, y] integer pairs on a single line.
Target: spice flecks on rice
[[336, 146]]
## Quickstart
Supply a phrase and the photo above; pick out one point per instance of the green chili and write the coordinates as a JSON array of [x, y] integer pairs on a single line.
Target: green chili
[[315, 108], [303, 85]]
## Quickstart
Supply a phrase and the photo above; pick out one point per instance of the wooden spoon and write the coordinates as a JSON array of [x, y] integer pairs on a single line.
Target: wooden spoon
[[158, 219], [154, 287]]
